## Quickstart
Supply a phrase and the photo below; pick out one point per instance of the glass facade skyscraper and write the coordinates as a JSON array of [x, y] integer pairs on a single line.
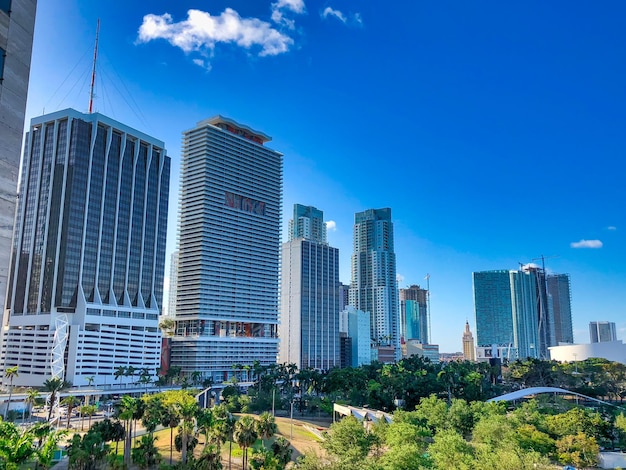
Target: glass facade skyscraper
[[505, 304], [414, 314], [310, 296], [374, 288], [86, 277], [559, 295], [229, 250]]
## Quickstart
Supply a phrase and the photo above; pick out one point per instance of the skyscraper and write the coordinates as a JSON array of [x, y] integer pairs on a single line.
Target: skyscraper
[[309, 314], [469, 353], [373, 288], [171, 304], [602, 331], [414, 314], [505, 304], [17, 20], [559, 298], [229, 248], [86, 282]]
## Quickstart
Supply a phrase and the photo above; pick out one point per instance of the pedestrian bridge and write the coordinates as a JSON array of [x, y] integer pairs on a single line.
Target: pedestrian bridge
[[527, 392]]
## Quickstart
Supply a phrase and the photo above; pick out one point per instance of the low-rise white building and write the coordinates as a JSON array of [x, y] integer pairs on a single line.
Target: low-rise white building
[[610, 350]]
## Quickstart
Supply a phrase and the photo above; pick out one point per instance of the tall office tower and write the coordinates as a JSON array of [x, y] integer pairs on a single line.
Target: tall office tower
[[309, 307], [357, 325], [559, 299], [374, 288], [545, 317], [171, 304], [229, 248], [17, 21], [86, 282], [505, 304], [602, 331], [414, 314], [469, 353]]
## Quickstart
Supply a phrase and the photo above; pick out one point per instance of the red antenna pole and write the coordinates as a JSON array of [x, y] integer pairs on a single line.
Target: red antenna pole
[[93, 70]]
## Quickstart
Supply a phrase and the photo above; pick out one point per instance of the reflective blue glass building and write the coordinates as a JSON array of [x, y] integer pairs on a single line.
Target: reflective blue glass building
[[86, 278]]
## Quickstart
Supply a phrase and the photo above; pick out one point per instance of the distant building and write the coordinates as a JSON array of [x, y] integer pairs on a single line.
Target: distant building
[[171, 305], [469, 353], [559, 299], [17, 22], [86, 283], [309, 311], [416, 348], [602, 331], [344, 298], [506, 309], [414, 314], [374, 287], [229, 250], [357, 324], [610, 350], [345, 350]]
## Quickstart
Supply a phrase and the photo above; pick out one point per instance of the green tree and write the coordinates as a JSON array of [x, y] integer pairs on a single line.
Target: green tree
[[145, 454], [281, 448], [88, 452], [266, 426], [209, 460], [54, 386], [16, 445], [32, 396], [170, 419], [128, 407], [119, 373], [434, 412], [10, 373], [450, 451], [245, 435], [348, 441], [578, 450], [89, 411], [71, 402], [185, 406], [206, 422]]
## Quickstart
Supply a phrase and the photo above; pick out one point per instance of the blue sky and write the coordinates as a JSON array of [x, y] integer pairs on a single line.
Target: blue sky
[[494, 130]]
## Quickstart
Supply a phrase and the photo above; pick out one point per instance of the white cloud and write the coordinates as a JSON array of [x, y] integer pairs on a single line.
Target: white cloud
[[399, 278], [358, 18], [201, 31], [611, 227], [205, 64], [328, 11], [331, 226], [586, 244], [281, 6]]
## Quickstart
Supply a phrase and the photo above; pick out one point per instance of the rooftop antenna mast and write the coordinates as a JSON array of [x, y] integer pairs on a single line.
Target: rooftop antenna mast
[[93, 69]]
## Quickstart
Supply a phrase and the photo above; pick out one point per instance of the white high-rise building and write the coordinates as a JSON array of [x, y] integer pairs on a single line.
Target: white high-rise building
[[229, 248], [309, 313], [374, 287], [171, 304], [86, 279]]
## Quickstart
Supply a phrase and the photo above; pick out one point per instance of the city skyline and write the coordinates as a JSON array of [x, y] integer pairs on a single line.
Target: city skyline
[[472, 124]]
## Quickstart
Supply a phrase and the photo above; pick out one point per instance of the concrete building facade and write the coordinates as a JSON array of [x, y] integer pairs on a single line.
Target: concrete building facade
[[310, 298], [17, 23], [602, 331], [229, 250], [88, 256], [560, 304]]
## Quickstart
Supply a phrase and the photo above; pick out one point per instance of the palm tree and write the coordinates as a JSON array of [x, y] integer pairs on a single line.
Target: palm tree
[[128, 408], [209, 460], [130, 372], [206, 421], [70, 401], [89, 411], [54, 386], [10, 373], [170, 418], [90, 379], [246, 435], [266, 426], [119, 373], [31, 398], [223, 429], [187, 410]]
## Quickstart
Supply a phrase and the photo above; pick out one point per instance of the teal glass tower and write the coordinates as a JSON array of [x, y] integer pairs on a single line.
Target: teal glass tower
[[507, 316]]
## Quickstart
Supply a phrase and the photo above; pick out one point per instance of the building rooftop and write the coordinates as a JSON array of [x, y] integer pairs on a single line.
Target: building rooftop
[[236, 128]]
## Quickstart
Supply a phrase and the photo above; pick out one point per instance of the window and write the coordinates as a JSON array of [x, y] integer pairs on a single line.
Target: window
[[5, 5], [2, 56]]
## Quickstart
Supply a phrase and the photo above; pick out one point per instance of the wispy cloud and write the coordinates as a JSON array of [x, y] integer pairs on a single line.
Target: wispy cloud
[[282, 6], [611, 227], [354, 18], [201, 32], [328, 11], [331, 225], [399, 278], [586, 244]]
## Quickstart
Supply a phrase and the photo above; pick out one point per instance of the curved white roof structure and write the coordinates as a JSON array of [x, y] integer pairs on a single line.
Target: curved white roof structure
[[526, 392]]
